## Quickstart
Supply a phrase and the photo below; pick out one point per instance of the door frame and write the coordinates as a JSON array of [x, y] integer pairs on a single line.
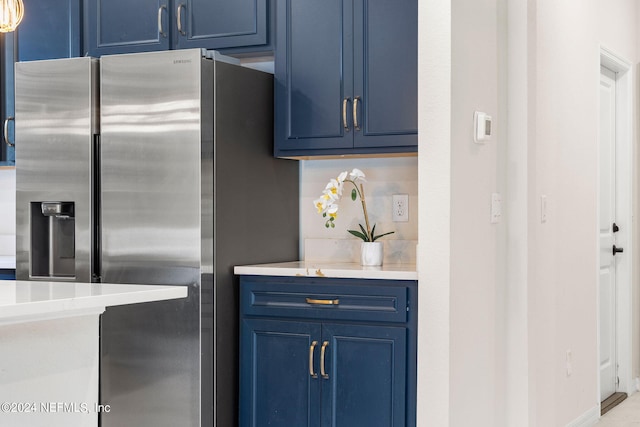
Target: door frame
[[624, 210]]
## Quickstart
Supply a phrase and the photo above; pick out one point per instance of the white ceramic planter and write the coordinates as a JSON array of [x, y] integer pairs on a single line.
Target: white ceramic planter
[[371, 253]]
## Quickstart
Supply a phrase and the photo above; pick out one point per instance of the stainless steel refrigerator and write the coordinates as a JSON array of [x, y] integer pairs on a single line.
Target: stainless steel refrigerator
[[154, 168]]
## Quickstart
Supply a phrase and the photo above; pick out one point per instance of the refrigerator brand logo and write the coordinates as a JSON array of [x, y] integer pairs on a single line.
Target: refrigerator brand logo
[[182, 61]]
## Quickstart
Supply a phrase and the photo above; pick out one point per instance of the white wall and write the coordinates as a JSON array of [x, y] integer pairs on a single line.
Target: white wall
[[434, 190], [475, 283], [549, 303]]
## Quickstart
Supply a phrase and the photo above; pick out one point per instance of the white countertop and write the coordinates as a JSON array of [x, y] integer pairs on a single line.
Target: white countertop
[[7, 262], [22, 301], [335, 270]]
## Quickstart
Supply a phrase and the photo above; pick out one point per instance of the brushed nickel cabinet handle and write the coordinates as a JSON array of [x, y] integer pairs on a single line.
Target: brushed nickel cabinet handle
[[356, 125], [312, 348], [344, 114], [6, 132], [179, 18], [323, 301], [322, 359], [160, 29]]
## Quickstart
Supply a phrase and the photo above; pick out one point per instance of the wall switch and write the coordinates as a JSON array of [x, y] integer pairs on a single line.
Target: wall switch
[[496, 208], [400, 203]]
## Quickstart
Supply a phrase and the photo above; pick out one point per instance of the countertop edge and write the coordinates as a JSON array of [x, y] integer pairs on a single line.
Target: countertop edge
[[346, 271], [20, 312]]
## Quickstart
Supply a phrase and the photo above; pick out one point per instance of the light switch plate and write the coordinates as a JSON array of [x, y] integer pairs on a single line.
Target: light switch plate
[[496, 208]]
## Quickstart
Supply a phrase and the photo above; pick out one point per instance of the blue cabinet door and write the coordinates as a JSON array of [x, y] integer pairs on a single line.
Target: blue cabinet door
[[313, 75], [125, 26], [386, 73], [219, 24], [276, 388], [346, 75], [365, 382], [50, 29]]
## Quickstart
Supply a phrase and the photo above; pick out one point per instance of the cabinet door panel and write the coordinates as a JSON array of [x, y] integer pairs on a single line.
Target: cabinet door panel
[[313, 73], [123, 26], [276, 387], [217, 24], [386, 72], [367, 376], [50, 29]]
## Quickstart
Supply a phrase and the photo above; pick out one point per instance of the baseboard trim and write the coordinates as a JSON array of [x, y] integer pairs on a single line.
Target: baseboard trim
[[587, 419]]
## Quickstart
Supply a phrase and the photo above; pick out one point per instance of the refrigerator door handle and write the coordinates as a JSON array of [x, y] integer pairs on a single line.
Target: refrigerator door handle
[[6, 132], [179, 18]]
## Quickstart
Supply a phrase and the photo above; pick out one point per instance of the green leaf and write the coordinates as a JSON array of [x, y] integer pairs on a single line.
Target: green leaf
[[380, 235], [373, 231], [366, 239], [326, 224], [333, 225], [358, 235], [353, 194], [324, 214]]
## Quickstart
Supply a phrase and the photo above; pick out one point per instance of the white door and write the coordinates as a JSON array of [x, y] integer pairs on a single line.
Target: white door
[[607, 281]]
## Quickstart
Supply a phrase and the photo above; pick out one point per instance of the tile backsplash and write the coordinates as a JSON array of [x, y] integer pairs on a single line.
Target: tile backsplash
[[384, 178], [7, 211]]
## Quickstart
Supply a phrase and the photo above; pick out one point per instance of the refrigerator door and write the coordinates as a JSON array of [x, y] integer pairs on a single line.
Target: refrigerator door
[[56, 120], [153, 127]]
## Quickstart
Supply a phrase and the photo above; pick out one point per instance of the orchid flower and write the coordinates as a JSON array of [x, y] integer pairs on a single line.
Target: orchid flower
[[332, 193]]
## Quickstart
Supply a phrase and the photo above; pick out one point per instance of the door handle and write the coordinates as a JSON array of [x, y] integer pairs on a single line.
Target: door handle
[[323, 301], [615, 228], [179, 18], [312, 348], [617, 250], [344, 114], [6, 132], [323, 350], [356, 125], [160, 29]]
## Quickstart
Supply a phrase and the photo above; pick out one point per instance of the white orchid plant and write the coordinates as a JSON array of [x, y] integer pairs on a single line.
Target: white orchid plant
[[327, 203]]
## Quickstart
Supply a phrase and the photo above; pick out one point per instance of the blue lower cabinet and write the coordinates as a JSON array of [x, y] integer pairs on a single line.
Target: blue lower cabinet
[[275, 374], [300, 370], [7, 274]]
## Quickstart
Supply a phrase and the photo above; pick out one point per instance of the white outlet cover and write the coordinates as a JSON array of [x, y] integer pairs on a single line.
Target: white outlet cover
[[400, 207]]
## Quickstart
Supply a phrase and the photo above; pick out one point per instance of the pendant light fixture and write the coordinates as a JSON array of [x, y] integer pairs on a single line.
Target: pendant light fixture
[[11, 12]]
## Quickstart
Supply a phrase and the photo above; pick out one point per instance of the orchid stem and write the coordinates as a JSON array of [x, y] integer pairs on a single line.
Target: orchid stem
[[366, 216]]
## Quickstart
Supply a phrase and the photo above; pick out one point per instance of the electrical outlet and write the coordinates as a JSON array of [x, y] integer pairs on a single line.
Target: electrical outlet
[[400, 203]]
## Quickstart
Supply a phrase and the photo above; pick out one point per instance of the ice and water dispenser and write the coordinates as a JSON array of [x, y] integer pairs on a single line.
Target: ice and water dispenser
[[53, 239]]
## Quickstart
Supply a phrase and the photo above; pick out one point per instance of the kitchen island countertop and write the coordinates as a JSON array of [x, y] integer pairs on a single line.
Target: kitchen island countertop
[[30, 300], [333, 270]]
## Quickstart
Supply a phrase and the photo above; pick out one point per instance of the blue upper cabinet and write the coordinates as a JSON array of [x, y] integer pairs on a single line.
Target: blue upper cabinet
[[124, 26], [346, 77], [219, 24], [50, 29]]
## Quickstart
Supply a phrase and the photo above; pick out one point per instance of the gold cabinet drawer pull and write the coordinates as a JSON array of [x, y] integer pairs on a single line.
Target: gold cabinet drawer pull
[[323, 301], [311, 350]]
